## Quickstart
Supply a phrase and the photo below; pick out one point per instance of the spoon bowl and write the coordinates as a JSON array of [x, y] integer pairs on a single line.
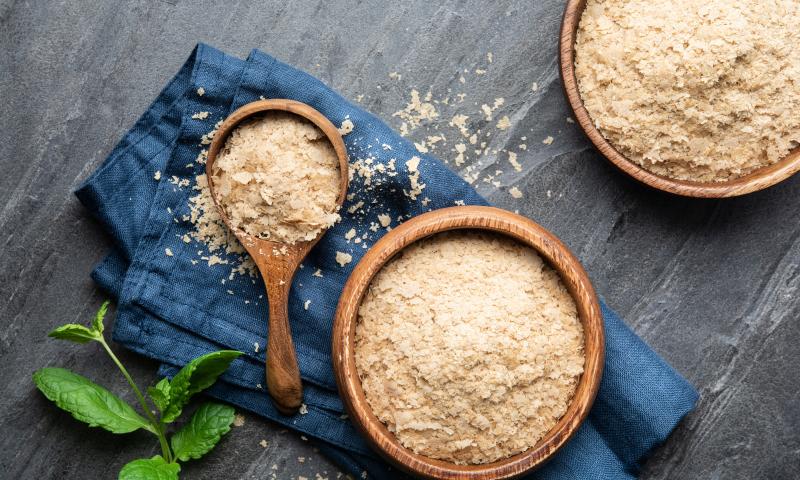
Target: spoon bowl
[[277, 262]]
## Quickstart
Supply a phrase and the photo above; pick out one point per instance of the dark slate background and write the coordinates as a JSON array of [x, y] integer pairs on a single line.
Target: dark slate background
[[711, 285]]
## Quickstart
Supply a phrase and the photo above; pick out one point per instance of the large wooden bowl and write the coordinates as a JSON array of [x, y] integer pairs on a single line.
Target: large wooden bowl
[[475, 218], [757, 180]]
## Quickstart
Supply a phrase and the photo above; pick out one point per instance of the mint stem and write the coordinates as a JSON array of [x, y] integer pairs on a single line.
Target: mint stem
[[158, 427]]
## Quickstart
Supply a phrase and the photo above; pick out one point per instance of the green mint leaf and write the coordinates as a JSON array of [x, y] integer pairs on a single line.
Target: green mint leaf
[[155, 468], [74, 333], [160, 394], [88, 402], [208, 424], [97, 322], [195, 377]]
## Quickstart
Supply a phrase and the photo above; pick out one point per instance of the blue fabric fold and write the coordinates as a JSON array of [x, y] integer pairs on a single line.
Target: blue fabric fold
[[173, 309]]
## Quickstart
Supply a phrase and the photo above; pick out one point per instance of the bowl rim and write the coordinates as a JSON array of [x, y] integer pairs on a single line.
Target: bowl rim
[[754, 181], [495, 220]]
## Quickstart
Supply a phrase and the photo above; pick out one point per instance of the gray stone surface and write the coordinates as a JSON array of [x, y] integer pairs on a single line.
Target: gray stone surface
[[711, 285]]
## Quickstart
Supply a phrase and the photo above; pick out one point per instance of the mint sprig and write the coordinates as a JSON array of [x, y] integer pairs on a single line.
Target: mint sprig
[[155, 468], [88, 402], [208, 424], [98, 407]]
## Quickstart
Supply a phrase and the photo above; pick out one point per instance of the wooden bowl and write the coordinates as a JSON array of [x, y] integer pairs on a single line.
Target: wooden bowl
[[754, 181], [474, 218]]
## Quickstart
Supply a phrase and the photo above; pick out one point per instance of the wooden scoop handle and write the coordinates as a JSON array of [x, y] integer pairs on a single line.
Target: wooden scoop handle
[[283, 375]]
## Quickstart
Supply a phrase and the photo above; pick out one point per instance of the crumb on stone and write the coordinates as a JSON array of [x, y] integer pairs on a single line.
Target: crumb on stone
[[238, 420]]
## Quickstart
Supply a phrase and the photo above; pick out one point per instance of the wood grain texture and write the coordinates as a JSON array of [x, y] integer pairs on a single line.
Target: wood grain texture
[[757, 180], [553, 252], [277, 262]]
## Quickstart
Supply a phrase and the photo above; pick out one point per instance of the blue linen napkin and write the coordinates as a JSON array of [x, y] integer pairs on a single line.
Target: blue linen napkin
[[174, 308]]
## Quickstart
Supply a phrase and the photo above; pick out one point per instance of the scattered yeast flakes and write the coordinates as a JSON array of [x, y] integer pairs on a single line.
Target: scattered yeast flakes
[[488, 111], [303, 409], [209, 230], [201, 91], [278, 178], [317, 273], [413, 176], [548, 140], [385, 220], [343, 258], [263, 443], [238, 420], [215, 260], [306, 304], [515, 192], [346, 127], [168, 251], [206, 139], [200, 115], [157, 175], [699, 91], [512, 159], [350, 234], [460, 148], [432, 140], [416, 112], [460, 122], [504, 123], [463, 358]]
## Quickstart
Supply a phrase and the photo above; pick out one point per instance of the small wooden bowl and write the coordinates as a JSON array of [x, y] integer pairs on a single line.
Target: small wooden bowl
[[473, 218], [757, 180]]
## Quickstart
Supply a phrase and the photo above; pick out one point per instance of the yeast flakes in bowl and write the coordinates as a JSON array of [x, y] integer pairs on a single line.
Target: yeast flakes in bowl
[[468, 341]]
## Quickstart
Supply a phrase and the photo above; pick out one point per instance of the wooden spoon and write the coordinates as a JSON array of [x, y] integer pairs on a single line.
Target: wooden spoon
[[277, 261]]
